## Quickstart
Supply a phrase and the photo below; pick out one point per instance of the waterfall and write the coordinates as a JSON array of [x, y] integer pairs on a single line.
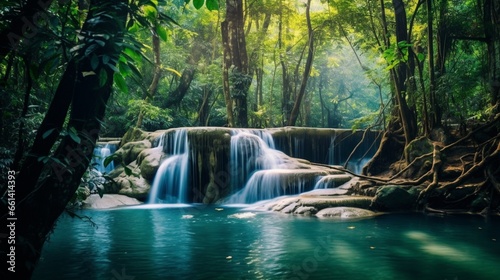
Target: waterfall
[[257, 169], [267, 184], [171, 181], [251, 151], [100, 154]]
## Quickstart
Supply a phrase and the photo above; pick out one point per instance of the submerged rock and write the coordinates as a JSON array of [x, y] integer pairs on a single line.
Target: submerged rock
[[345, 213]]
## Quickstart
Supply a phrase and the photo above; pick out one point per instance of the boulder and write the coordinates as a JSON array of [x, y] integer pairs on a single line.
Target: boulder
[[149, 160], [129, 152], [134, 186], [394, 198], [345, 213]]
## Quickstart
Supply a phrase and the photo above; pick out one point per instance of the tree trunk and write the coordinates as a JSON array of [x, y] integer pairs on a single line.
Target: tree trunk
[[235, 73], [156, 74], [175, 97], [406, 117], [492, 34], [307, 70], [42, 196]]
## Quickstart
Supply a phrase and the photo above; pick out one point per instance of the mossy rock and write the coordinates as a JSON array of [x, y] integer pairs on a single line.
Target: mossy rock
[[132, 135], [129, 152], [418, 147], [394, 198]]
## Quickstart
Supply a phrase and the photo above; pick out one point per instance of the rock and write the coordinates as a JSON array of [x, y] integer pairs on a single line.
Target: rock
[[394, 198], [305, 210], [134, 134], [301, 204], [94, 201], [132, 186], [333, 181], [290, 208], [129, 152], [345, 213], [418, 147], [149, 160]]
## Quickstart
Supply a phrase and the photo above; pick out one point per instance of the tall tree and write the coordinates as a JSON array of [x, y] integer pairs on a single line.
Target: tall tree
[[491, 10], [236, 79], [47, 180], [307, 68]]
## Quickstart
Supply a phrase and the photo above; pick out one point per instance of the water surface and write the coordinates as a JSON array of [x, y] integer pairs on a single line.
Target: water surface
[[212, 242]]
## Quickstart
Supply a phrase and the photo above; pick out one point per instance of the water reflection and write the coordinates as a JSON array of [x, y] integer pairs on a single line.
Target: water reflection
[[203, 242]]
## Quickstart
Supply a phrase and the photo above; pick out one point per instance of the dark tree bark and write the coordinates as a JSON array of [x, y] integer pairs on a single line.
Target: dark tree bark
[[492, 33], [47, 181], [236, 79], [400, 76], [175, 97]]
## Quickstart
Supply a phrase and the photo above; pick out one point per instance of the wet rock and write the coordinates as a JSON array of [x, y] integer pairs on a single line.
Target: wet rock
[[305, 210], [129, 152], [149, 160], [345, 213]]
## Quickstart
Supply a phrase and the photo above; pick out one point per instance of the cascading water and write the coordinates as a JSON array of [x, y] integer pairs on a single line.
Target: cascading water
[[268, 184], [258, 167], [171, 181], [249, 153], [100, 154]]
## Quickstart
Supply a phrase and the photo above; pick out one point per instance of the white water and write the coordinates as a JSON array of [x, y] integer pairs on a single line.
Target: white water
[[251, 151], [171, 181], [257, 170], [100, 154]]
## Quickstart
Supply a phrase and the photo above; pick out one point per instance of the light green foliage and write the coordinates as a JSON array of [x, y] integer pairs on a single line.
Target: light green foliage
[[156, 116]]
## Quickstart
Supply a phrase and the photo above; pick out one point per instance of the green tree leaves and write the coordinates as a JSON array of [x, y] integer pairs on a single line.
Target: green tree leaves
[[212, 5]]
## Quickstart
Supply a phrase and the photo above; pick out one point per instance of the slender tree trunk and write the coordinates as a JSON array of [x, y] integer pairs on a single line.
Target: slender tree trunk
[[156, 74], [435, 121], [175, 96], [43, 197], [307, 70]]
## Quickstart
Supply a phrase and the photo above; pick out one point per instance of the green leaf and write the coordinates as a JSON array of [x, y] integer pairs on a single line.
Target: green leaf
[[173, 71], [128, 171], [100, 192], [198, 3], [74, 135], [120, 82], [212, 5], [162, 32], [108, 160], [420, 57], [150, 12], [94, 61], [103, 77], [47, 133]]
